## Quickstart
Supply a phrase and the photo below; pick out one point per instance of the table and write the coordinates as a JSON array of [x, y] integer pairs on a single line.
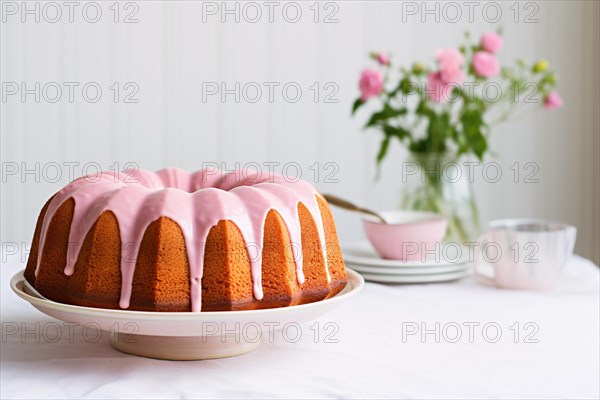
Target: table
[[452, 340]]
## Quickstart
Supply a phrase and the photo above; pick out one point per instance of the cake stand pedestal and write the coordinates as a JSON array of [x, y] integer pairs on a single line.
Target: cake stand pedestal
[[182, 348]]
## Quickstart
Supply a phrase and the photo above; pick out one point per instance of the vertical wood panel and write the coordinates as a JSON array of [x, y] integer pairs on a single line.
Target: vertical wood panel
[[147, 68], [11, 141], [293, 58], [198, 63], [36, 136], [342, 51], [172, 82], [242, 55]]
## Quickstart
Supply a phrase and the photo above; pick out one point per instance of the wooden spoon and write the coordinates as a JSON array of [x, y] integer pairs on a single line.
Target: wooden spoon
[[346, 205]]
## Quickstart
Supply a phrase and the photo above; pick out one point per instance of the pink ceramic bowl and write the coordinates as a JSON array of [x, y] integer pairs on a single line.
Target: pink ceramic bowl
[[406, 235]]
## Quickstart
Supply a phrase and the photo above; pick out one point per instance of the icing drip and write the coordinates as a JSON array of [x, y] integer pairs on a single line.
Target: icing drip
[[196, 202]]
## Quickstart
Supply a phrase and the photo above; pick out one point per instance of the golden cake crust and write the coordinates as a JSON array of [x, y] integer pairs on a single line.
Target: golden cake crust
[[161, 280]]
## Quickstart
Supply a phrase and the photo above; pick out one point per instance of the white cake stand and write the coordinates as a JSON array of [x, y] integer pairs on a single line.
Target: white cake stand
[[186, 335]]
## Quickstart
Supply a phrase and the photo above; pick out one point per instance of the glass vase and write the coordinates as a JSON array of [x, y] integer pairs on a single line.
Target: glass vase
[[440, 183]]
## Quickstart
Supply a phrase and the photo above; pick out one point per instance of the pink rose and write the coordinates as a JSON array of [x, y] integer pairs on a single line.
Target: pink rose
[[491, 42], [449, 58], [437, 89], [382, 59], [553, 101], [453, 75], [370, 84], [450, 62], [485, 64]]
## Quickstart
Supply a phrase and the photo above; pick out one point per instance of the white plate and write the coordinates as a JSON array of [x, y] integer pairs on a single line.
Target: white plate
[[450, 276], [408, 270], [362, 253], [186, 335]]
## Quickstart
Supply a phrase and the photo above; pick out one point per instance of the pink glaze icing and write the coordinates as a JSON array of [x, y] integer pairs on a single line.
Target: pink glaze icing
[[196, 202]]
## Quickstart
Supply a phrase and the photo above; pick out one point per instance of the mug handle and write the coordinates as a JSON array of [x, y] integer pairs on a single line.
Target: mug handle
[[571, 235], [488, 280]]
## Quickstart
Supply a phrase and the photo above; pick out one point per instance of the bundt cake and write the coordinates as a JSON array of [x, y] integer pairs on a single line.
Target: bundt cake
[[179, 241]]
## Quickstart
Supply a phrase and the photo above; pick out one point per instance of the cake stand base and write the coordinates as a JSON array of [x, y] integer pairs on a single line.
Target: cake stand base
[[181, 348]]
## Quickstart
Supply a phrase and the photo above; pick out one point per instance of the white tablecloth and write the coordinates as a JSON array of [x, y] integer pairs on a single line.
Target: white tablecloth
[[370, 358]]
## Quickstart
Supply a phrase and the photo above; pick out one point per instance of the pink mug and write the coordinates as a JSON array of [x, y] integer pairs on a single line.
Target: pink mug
[[525, 254]]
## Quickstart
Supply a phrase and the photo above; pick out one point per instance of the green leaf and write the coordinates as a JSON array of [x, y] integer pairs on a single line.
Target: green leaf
[[473, 124], [357, 104], [385, 144], [406, 86], [439, 128], [452, 133], [424, 110], [387, 113], [397, 132]]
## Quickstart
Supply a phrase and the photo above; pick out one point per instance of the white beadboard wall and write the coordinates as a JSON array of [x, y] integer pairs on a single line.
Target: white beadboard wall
[[170, 52]]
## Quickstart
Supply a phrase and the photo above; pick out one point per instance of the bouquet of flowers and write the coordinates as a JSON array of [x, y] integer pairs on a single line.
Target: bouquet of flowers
[[445, 110]]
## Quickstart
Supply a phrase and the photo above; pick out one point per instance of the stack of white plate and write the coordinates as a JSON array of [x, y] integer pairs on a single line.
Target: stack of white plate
[[361, 257]]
